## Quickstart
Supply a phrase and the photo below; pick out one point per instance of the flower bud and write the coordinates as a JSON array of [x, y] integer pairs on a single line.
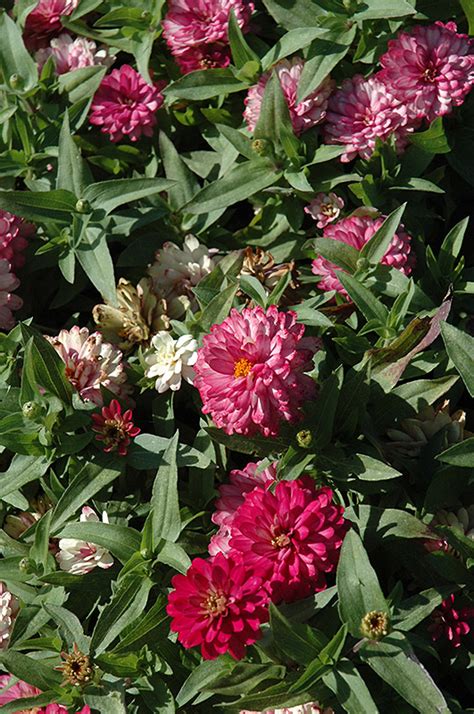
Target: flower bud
[[83, 206], [375, 625], [31, 410], [16, 81], [362, 264], [260, 146], [304, 438]]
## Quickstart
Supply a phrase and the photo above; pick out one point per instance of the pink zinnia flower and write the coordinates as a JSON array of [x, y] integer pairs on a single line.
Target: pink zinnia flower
[[70, 54], [91, 363], [305, 114], [125, 105], [8, 301], [196, 31], [357, 231], [250, 371], [115, 429], [291, 537], [360, 112], [220, 605], [430, 69], [325, 208], [449, 623], [44, 21], [14, 235], [231, 496], [22, 690]]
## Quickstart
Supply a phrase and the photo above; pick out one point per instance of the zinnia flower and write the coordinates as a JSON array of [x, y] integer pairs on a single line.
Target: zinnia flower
[[429, 69], [8, 611], [14, 235], [44, 21], [20, 690], [79, 557], [310, 708], [462, 520], [250, 371], [196, 31], [305, 114], [357, 231], [325, 208], [449, 623], [220, 605], [360, 112], [115, 429], [91, 363], [176, 271], [70, 54], [291, 537], [8, 301], [231, 496], [170, 361], [125, 105]]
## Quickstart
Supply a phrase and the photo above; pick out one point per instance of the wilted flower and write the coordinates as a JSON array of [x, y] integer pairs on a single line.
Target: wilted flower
[[8, 301], [462, 521], [44, 21], [78, 557], [18, 690], [70, 54], [177, 270], [375, 625], [8, 611], [450, 623], [325, 208], [125, 105], [170, 361], [309, 708], [14, 235], [139, 314], [16, 524], [115, 429], [261, 264], [77, 668]]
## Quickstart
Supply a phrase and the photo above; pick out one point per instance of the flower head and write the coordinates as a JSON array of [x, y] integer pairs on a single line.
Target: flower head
[[360, 112], [44, 21], [70, 54], [78, 557], [450, 623], [305, 114], [291, 536], [429, 69], [170, 361], [91, 363], [375, 625], [77, 668], [196, 31], [220, 605], [260, 264], [8, 301], [309, 708], [125, 105], [18, 690], [177, 270], [356, 231], [8, 611], [14, 235], [115, 429], [251, 369], [325, 208]]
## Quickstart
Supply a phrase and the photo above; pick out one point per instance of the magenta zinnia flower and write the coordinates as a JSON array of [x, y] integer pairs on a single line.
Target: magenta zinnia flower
[[231, 496], [115, 429], [44, 21], [305, 114], [325, 208], [250, 371], [292, 537], [220, 605], [125, 105], [196, 31], [450, 623], [14, 235], [360, 112], [8, 301], [357, 231], [430, 69], [21, 690]]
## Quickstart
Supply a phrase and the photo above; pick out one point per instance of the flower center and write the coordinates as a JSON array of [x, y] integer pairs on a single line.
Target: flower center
[[280, 539], [328, 209], [242, 367], [430, 74], [215, 604], [113, 432]]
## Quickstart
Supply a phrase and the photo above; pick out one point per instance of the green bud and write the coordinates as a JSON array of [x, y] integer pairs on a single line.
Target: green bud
[[362, 264], [304, 438], [24, 565], [375, 625], [83, 206], [31, 410], [260, 146], [16, 81]]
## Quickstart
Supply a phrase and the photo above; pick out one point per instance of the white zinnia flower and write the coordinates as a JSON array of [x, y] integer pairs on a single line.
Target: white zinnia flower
[[170, 361], [8, 613], [79, 557]]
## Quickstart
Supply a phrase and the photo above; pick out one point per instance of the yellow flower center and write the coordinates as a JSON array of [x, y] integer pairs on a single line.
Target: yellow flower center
[[215, 603], [242, 367]]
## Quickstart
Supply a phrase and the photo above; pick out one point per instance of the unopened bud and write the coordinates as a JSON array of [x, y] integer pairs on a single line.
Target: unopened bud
[[304, 438], [83, 206], [260, 146], [362, 264], [16, 81], [31, 410], [375, 625]]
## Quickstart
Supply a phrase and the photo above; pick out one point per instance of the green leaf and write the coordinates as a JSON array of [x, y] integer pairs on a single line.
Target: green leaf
[[290, 43], [460, 348], [375, 249], [166, 519], [238, 140], [386, 522], [344, 256], [33, 703], [433, 140], [254, 289], [204, 84], [323, 55], [200, 678], [146, 450], [415, 609], [368, 304], [146, 629], [72, 175], [350, 689], [274, 112], [122, 542], [328, 656], [241, 52], [380, 10], [185, 183], [259, 445], [81, 84], [40, 549], [41, 206], [218, 308], [298, 642], [468, 7], [39, 675], [22, 470], [48, 368], [14, 57], [460, 454], [109, 195], [451, 246], [70, 625], [324, 411], [375, 470], [295, 14], [94, 256]]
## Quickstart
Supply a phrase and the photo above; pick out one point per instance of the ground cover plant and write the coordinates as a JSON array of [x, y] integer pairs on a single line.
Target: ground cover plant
[[236, 356]]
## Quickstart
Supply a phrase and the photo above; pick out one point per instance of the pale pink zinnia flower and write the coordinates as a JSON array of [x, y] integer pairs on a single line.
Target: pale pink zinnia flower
[[430, 69], [325, 208], [14, 235], [231, 496], [91, 363], [70, 54], [196, 31], [44, 21], [356, 231], [8, 301], [360, 112], [21, 690], [125, 105], [8, 611], [79, 557], [309, 708], [250, 371], [305, 114]]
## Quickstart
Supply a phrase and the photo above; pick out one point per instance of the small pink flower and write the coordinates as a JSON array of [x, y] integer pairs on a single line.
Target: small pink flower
[[8, 301], [14, 235], [79, 557], [220, 604], [305, 114], [114, 429], [125, 105], [44, 21], [22, 690], [250, 371], [449, 623], [325, 208], [429, 69], [356, 231], [196, 31], [360, 112], [70, 54]]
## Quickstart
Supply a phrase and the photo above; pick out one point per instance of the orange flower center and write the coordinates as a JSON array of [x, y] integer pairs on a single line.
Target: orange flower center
[[215, 604], [242, 367], [280, 541]]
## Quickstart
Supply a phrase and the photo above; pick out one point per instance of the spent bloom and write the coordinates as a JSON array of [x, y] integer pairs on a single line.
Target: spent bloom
[[114, 429], [429, 69], [292, 537], [169, 361], [176, 270], [91, 363], [450, 623], [8, 611], [362, 111], [79, 557], [231, 496], [18, 690], [309, 708], [44, 21], [462, 520], [356, 231], [8, 301], [196, 31], [250, 371], [325, 208], [14, 235], [304, 114], [70, 54], [125, 105], [220, 605]]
